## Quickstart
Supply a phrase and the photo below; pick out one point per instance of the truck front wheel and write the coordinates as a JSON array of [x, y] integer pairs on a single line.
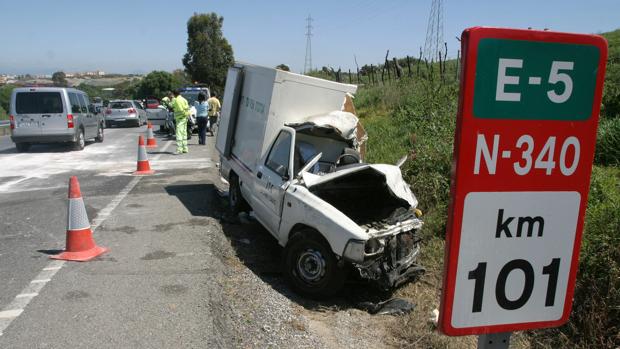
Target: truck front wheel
[[311, 266]]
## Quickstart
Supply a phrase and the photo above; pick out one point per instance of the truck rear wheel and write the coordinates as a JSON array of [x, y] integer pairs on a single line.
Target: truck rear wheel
[[22, 147], [80, 142], [236, 202], [311, 266], [99, 137]]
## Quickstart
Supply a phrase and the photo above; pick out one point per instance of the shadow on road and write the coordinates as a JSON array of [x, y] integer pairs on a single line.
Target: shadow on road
[[50, 252], [42, 148], [259, 251]]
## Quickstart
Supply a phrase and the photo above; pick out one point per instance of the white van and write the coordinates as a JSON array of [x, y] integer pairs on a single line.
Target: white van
[[291, 148], [52, 115]]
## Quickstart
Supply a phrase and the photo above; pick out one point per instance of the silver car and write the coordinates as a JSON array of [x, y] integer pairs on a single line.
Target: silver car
[[125, 112], [51, 115]]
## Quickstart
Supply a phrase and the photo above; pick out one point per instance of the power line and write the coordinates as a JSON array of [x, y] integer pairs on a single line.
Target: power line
[[308, 59]]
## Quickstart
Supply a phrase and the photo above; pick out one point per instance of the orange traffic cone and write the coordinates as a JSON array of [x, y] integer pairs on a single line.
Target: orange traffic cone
[[150, 139], [143, 162], [80, 244]]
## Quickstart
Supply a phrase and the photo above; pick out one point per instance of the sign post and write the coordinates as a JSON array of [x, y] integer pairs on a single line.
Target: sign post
[[523, 152]]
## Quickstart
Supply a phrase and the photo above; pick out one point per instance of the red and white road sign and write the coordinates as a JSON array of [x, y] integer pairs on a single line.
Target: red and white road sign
[[523, 152]]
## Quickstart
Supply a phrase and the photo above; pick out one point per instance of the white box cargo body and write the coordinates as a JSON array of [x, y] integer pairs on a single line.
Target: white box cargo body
[[258, 101]]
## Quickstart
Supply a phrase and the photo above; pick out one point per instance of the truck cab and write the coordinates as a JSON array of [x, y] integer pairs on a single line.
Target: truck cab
[[292, 150]]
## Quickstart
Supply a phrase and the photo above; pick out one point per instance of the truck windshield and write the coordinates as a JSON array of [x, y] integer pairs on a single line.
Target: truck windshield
[[190, 96], [38, 103]]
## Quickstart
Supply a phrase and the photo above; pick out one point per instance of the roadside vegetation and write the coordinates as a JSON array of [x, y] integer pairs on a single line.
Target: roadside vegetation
[[416, 116]]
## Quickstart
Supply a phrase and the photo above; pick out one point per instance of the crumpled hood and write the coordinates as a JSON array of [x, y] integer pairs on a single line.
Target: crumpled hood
[[341, 122], [393, 178]]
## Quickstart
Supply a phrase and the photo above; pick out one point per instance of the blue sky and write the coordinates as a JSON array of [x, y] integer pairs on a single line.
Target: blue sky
[[135, 36]]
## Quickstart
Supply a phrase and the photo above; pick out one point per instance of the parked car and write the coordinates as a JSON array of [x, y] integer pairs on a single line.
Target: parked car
[[125, 112], [152, 103], [291, 149], [53, 115]]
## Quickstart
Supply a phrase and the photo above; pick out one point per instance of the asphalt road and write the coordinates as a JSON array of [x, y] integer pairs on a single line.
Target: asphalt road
[[148, 291]]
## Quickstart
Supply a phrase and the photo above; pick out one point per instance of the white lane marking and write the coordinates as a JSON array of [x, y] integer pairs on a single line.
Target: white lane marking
[[17, 306], [52, 268], [26, 295], [7, 314]]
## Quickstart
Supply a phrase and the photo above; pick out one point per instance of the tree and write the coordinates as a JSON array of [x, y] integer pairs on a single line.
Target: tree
[[180, 78], [3, 115], [283, 67], [209, 55], [156, 84], [59, 79], [5, 96]]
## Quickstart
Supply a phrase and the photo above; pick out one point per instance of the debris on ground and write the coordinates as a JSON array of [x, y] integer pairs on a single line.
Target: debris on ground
[[394, 306]]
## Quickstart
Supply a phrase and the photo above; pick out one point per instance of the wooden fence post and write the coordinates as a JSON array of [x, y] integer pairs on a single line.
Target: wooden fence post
[[386, 65], [408, 66]]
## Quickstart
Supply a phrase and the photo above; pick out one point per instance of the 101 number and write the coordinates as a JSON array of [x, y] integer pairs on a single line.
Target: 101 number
[[479, 277]]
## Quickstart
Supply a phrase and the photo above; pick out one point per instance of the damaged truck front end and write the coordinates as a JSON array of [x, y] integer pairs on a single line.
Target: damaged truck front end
[[381, 205]]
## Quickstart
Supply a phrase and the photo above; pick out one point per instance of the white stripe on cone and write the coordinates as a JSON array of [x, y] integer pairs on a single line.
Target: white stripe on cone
[[77, 218]]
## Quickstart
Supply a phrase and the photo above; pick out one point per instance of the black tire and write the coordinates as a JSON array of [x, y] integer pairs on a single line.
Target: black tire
[[80, 142], [162, 128], [138, 123], [236, 202], [108, 124], [22, 147], [99, 137], [311, 267]]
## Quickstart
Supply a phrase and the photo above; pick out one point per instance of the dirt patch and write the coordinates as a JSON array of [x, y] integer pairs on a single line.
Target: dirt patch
[[75, 295], [134, 206], [172, 290], [127, 229], [162, 228], [159, 254]]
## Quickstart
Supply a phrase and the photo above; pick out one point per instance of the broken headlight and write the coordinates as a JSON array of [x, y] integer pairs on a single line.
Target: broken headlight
[[354, 251], [374, 247]]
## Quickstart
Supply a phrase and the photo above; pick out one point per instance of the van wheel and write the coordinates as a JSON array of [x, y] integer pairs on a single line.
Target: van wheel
[[80, 142], [22, 147], [236, 202], [311, 267], [99, 137]]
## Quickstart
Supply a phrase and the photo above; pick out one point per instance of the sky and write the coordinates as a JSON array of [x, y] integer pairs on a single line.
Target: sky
[[136, 36]]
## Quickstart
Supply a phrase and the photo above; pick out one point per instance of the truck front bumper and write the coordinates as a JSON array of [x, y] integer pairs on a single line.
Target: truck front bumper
[[59, 138], [393, 261]]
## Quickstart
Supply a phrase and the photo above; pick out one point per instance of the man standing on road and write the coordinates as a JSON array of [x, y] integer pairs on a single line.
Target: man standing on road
[[181, 113], [214, 111]]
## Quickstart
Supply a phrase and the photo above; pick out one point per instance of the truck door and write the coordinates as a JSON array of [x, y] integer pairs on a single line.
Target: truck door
[[273, 174]]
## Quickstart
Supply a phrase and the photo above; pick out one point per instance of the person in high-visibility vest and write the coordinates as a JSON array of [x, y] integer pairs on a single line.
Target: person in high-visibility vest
[[181, 113], [214, 111]]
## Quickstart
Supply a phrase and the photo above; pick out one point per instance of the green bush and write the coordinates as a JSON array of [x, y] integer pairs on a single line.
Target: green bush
[[608, 142], [595, 319]]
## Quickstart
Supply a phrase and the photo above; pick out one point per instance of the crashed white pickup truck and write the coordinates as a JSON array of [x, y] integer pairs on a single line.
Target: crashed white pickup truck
[[290, 148]]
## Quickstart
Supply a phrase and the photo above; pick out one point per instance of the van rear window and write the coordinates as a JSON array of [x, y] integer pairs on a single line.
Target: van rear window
[[120, 105], [38, 103]]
